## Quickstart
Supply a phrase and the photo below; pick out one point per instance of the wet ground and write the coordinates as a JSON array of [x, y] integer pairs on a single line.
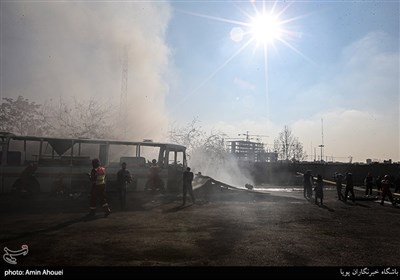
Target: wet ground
[[225, 228]]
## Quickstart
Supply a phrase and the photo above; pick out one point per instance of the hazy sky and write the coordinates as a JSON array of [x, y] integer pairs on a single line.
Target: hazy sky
[[336, 60]]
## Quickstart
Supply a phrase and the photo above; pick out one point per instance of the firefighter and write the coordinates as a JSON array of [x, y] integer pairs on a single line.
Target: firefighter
[[187, 185], [386, 184], [98, 179], [154, 182]]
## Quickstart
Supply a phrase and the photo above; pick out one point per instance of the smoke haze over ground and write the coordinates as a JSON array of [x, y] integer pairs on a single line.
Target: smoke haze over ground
[[62, 49], [224, 168]]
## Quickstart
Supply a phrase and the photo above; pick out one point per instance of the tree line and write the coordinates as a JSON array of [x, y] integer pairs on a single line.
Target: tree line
[[92, 119], [76, 118], [195, 139]]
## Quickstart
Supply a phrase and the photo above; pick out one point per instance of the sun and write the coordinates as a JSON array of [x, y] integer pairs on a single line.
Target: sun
[[266, 28]]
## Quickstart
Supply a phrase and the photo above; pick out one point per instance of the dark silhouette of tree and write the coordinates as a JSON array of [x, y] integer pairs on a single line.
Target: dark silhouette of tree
[[288, 146]]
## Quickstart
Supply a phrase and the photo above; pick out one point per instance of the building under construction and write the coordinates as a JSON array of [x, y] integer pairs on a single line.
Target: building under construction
[[251, 151]]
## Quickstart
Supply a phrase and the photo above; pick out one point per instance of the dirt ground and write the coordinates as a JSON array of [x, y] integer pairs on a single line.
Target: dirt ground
[[228, 228]]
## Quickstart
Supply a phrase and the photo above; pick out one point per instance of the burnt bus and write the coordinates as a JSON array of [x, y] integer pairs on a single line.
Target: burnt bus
[[63, 163]]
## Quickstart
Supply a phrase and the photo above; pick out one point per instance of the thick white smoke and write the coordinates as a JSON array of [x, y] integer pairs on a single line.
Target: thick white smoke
[[223, 167], [75, 49]]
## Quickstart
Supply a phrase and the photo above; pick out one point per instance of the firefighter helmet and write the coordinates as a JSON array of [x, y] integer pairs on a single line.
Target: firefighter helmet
[[96, 162]]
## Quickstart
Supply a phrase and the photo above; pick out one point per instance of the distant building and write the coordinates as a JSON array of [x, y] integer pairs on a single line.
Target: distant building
[[251, 151], [269, 157]]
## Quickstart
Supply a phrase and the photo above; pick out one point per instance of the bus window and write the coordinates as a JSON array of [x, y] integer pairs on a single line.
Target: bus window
[[150, 153], [134, 162], [13, 158], [179, 158], [116, 152], [103, 154], [90, 150], [175, 158], [30, 149]]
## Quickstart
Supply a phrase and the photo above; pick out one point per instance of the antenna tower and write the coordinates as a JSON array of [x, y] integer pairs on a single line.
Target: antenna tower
[[322, 134], [123, 106]]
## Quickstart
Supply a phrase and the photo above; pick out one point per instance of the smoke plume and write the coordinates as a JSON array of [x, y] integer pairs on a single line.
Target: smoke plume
[[76, 50]]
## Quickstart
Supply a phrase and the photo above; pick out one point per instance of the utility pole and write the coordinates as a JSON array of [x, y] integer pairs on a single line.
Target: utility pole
[[322, 134]]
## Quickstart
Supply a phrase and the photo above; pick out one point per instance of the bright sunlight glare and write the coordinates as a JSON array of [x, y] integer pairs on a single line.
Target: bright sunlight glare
[[266, 28], [263, 28]]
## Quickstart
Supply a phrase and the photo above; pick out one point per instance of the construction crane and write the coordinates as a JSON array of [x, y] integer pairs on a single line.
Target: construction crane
[[248, 136], [229, 138]]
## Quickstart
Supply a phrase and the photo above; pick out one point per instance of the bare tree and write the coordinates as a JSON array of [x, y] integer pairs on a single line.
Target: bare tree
[[22, 117], [80, 118], [288, 146], [208, 153], [191, 136], [89, 119], [298, 151], [196, 140], [215, 144]]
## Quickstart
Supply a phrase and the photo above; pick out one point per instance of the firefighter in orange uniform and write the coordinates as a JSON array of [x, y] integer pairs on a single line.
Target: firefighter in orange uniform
[[386, 184], [98, 191], [154, 182]]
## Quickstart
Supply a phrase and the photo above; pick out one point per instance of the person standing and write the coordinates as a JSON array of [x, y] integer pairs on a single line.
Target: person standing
[[339, 180], [187, 185], [349, 187], [397, 184], [27, 182], [369, 182], [379, 184], [319, 192], [98, 179], [154, 182], [307, 184], [386, 184], [124, 178]]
